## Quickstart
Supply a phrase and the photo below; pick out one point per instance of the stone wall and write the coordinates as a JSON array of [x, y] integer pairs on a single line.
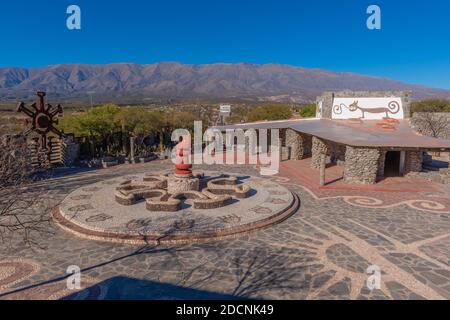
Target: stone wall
[[319, 147], [70, 151], [328, 97], [282, 137], [442, 176], [361, 165], [285, 154], [413, 161], [381, 163], [300, 144]]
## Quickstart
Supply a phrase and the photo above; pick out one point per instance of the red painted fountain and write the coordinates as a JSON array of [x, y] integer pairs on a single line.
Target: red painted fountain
[[183, 180]]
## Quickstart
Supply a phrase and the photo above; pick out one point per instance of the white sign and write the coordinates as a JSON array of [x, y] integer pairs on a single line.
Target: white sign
[[225, 108], [367, 108]]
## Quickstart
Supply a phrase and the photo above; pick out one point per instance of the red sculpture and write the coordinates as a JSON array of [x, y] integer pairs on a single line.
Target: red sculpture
[[183, 167]]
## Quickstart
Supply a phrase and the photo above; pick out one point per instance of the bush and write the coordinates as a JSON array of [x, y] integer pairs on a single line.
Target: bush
[[308, 111], [431, 105]]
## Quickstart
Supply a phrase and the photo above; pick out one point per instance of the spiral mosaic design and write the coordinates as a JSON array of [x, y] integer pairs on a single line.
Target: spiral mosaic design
[[15, 271], [426, 205], [363, 201]]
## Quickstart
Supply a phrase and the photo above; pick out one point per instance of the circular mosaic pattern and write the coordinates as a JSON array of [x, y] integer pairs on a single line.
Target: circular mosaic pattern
[[92, 212]]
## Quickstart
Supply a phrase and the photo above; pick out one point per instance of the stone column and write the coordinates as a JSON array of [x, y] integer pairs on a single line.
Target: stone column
[[323, 163], [361, 165], [319, 147]]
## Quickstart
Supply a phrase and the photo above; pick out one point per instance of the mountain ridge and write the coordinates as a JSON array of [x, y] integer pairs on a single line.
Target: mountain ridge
[[270, 82]]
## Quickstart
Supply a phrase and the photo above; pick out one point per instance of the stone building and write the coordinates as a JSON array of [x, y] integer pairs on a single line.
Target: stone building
[[369, 133]]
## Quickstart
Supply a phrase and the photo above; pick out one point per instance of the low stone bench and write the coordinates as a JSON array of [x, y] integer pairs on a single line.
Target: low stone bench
[[148, 158], [108, 162], [229, 186]]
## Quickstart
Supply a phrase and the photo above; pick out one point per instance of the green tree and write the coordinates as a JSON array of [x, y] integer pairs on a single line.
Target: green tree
[[138, 121], [98, 124], [99, 121]]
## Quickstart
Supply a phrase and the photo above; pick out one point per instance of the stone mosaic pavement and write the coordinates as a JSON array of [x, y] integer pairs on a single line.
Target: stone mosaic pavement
[[321, 252], [390, 192], [93, 212]]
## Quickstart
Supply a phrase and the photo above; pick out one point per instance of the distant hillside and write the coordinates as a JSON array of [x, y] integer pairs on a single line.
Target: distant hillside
[[136, 82]]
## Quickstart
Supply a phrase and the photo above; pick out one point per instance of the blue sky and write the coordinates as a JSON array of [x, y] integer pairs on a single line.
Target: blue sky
[[413, 45]]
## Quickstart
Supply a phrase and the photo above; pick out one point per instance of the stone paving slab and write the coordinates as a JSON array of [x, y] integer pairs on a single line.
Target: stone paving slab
[[320, 252]]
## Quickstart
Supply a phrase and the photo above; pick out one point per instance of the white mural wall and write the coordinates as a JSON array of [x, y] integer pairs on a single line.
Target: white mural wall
[[367, 108]]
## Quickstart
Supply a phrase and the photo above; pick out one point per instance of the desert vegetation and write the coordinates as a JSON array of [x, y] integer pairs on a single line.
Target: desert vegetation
[[431, 105], [107, 129]]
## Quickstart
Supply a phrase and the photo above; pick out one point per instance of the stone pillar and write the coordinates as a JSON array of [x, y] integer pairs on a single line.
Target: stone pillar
[[300, 144], [319, 147], [323, 164], [361, 165], [413, 161]]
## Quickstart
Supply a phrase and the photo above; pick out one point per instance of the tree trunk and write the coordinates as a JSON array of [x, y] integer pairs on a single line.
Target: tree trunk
[[161, 141], [124, 139], [92, 146], [132, 149]]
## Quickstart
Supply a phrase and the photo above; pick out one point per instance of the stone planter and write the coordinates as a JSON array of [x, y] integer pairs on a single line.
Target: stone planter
[[180, 184]]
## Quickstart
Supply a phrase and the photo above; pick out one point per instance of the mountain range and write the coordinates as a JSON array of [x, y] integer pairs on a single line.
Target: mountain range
[[139, 82]]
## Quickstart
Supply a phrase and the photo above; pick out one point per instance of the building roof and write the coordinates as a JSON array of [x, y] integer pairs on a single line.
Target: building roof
[[365, 133]]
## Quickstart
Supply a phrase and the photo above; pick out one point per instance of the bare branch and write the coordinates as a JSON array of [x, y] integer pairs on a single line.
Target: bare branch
[[24, 210]]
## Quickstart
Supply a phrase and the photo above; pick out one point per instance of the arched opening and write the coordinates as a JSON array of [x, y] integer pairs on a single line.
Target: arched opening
[[392, 164]]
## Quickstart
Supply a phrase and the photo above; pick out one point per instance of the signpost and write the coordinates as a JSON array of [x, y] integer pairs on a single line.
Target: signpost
[[224, 112]]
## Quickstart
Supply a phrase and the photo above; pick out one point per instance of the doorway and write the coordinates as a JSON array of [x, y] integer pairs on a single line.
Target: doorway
[[392, 164]]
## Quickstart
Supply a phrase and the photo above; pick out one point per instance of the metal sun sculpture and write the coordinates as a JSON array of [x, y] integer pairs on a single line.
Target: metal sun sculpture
[[42, 118]]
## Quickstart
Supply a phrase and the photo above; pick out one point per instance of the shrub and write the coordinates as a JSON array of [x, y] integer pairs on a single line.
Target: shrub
[[308, 111], [431, 105]]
